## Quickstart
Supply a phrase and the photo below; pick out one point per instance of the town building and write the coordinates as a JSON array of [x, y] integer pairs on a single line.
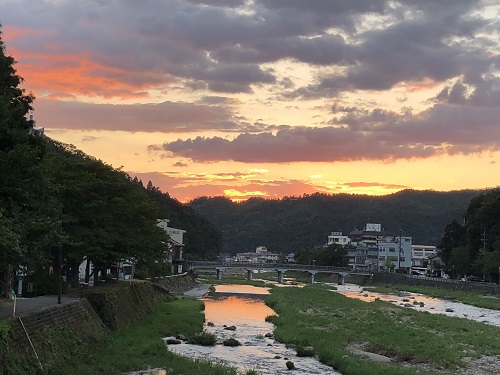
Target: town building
[[175, 245], [420, 255], [337, 238], [261, 255], [375, 249]]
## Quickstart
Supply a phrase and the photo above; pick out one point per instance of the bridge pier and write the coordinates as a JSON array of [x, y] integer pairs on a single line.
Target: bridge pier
[[281, 275], [219, 273], [342, 276], [311, 276], [249, 274]]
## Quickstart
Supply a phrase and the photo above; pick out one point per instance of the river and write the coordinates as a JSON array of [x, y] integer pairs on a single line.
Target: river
[[423, 303], [242, 306]]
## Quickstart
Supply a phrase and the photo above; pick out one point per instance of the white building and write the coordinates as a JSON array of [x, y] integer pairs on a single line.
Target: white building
[[420, 255], [396, 251], [338, 239], [175, 234], [176, 244], [261, 249], [261, 255]]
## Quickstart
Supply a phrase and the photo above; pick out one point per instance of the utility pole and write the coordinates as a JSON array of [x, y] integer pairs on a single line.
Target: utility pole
[[483, 238], [60, 282], [399, 252]]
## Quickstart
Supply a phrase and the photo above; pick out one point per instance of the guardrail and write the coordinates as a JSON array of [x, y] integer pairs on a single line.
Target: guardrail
[[451, 281], [288, 266]]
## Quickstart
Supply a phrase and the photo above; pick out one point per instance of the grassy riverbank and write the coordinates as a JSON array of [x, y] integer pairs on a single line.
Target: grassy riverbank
[[336, 326], [474, 298], [141, 346]]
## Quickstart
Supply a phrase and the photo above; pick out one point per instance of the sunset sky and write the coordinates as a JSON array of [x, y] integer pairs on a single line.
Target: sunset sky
[[269, 98]]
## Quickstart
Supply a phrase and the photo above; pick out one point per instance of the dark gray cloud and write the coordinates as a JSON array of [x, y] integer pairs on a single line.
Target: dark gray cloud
[[362, 135], [125, 48], [214, 45], [166, 117]]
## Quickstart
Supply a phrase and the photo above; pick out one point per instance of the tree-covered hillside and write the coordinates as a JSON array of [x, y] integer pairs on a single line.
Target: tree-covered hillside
[[290, 224], [202, 239]]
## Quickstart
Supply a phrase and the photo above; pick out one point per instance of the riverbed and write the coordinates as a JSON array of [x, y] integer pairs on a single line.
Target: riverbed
[[233, 305], [421, 302]]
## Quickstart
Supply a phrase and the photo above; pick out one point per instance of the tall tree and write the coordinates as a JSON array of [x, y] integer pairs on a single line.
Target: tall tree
[[26, 221], [475, 246]]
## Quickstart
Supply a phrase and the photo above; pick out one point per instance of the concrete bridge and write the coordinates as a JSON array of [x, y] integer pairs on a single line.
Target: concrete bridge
[[342, 272]]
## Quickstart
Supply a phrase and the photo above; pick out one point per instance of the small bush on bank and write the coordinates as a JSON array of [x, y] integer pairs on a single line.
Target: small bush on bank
[[231, 342], [203, 338]]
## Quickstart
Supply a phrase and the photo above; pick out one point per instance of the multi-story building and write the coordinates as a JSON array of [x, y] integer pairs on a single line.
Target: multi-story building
[[337, 238], [175, 244], [377, 249], [363, 257], [395, 253], [420, 255]]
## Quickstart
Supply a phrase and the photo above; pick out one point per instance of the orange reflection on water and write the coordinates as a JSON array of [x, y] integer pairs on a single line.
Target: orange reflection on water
[[230, 310], [370, 297], [244, 289]]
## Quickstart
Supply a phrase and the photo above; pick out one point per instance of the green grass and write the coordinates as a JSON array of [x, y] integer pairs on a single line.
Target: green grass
[[141, 346], [474, 298], [330, 322]]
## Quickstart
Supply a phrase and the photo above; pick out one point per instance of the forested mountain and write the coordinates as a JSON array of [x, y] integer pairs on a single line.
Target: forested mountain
[[289, 224], [202, 239]]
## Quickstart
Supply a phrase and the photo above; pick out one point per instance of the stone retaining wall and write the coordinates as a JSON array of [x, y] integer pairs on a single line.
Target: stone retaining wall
[[57, 331], [120, 307]]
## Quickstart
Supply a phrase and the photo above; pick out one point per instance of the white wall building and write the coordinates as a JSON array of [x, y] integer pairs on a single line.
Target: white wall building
[[175, 234], [176, 244], [420, 255], [338, 239], [261, 255], [397, 251]]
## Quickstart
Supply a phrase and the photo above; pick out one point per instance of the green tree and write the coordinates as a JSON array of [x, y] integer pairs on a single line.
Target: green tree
[[26, 215], [475, 246], [333, 255], [106, 216]]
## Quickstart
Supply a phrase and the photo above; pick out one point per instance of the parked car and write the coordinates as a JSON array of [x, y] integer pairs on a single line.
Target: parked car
[[475, 279], [445, 276], [418, 273]]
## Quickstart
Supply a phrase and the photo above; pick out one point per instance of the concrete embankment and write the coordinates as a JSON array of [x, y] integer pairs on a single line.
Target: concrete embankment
[[395, 278], [42, 338]]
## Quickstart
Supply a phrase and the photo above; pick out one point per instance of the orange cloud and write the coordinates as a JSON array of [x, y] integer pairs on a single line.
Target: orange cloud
[[61, 76]]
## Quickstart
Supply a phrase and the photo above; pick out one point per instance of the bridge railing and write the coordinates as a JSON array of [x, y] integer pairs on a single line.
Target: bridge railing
[[289, 266]]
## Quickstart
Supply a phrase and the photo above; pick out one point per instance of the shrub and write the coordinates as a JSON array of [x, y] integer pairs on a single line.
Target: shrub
[[231, 342], [203, 338]]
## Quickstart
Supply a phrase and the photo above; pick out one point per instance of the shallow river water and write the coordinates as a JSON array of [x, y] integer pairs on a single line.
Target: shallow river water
[[430, 304], [243, 307], [232, 306]]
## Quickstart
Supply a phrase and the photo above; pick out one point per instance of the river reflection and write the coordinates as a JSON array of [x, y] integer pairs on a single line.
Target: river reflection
[[257, 352]]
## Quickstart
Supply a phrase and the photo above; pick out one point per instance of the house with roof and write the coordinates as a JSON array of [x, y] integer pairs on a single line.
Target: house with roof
[[337, 238], [175, 245]]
